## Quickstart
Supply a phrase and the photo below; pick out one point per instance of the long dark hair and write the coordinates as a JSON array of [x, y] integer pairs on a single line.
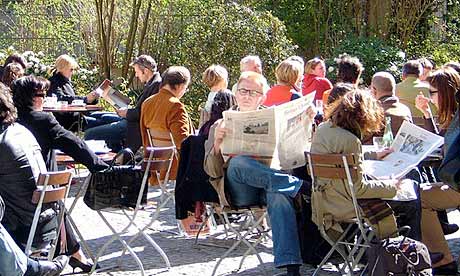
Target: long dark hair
[[223, 101], [8, 112]]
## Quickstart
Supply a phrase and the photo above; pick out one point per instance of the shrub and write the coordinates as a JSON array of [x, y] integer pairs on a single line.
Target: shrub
[[374, 54]]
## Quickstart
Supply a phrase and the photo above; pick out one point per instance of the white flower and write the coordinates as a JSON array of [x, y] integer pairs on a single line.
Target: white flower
[[2, 55], [34, 60], [43, 68], [40, 54], [36, 71], [36, 65], [11, 48], [26, 54], [393, 68], [83, 77], [29, 64], [330, 69], [401, 54]]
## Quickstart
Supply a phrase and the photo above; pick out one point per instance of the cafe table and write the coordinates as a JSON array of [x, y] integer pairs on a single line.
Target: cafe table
[[80, 109]]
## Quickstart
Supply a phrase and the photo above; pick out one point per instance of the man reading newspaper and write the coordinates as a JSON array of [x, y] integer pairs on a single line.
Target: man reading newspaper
[[248, 180]]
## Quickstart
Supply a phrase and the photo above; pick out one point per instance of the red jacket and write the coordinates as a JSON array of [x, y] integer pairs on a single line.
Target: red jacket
[[312, 82], [280, 94]]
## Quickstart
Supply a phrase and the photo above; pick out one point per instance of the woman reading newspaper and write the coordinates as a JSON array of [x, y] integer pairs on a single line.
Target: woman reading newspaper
[[445, 84], [348, 120]]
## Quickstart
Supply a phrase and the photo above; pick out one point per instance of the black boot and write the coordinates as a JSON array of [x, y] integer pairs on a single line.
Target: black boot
[[293, 270]]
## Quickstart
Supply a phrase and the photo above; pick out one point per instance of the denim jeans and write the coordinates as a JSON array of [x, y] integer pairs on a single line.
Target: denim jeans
[[13, 262], [100, 118], [113, 134], [246, 179]]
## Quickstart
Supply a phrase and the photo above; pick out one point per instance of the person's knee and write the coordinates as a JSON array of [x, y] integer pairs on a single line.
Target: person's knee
[[278, 201], [237, 165]]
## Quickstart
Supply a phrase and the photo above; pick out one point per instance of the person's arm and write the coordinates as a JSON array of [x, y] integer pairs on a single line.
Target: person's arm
[[73, 146], [178, 124], [213, 160], [143, 127]]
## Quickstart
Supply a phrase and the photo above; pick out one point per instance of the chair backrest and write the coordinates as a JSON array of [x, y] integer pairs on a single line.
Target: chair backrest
[[335, 166], [158, 158], [51, 187]]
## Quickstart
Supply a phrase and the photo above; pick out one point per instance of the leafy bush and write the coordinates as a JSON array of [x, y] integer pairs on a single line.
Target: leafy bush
[[208, 32], [374, 54]]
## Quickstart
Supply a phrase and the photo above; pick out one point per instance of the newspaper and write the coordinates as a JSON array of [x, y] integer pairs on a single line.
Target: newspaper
[[112, 96], [278, 134], [411, 145]]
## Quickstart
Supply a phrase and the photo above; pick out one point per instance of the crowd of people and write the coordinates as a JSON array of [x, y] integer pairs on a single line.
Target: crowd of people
[[352, 116]]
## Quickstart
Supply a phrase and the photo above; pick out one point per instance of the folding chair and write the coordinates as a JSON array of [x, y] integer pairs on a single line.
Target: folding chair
[[252, 224], [46, 193], [343, 167], [156, 160]]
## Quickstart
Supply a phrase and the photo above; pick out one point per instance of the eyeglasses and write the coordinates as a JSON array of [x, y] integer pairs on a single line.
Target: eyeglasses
[[252, 93], [433, 91], [41, 95]]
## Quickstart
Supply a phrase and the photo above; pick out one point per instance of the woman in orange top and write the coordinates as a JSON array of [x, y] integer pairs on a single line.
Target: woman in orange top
[[165, 115], [289, 75]]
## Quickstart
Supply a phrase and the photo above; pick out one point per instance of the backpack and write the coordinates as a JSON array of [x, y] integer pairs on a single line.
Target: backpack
[[398, 256]]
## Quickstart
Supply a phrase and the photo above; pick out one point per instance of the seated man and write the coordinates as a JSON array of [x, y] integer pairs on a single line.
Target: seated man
[[247, 179], [114, 130]]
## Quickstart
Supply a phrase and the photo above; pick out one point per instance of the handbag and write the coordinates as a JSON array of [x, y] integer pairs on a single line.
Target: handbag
[[398, 256], [117, 186]]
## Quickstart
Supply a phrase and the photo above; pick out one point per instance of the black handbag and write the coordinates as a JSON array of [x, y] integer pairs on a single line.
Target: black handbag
[[116, 187], [400, 256]]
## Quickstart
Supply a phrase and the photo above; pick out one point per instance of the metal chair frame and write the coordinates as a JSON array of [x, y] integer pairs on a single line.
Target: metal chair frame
[[156, 159], [344, 167], [61, 180]]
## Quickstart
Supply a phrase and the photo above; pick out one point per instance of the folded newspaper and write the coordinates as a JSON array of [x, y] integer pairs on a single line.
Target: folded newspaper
[[112, 96], [279, 134], [411, 145]]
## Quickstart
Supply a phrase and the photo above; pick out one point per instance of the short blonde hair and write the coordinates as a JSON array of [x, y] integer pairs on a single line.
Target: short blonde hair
[[249, 59], [65, 61], [255, 77], [215, 74], [289, 71]]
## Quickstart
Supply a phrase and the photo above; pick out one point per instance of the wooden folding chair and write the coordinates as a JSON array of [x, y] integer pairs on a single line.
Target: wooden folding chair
[[156, 160], [51, 187], [340, 167]]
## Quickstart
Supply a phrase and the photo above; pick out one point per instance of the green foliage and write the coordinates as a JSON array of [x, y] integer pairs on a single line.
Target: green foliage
[[374, 54], [201, 33]]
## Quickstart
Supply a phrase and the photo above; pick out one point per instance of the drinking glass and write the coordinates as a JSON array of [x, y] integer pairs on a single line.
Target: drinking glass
[[379, 143]]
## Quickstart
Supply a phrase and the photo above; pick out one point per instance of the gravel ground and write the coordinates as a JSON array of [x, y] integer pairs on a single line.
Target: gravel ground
[[185, 256]]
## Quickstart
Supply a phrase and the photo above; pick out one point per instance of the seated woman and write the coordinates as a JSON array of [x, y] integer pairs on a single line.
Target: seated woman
[[289, 75], [315, 78], [61, 87], [347, 121], [28, 96], [445, 84], [20, 165], [13, 58], [216, 78], [11, 72]]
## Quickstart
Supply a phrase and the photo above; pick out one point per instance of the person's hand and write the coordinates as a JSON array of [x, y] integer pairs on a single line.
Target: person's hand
[[422, 104], [91, 97], [311, 112], [219, 135], [122, 112], [383, 153]]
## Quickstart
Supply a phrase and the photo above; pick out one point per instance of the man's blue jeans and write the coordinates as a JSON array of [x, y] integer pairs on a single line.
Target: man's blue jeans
[[246, 179], [112, 133], [100, 118], [13, 262]]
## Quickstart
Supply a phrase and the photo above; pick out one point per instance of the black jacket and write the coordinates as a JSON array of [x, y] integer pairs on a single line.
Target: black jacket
[[51, 135], [20, 163], [133, 115]]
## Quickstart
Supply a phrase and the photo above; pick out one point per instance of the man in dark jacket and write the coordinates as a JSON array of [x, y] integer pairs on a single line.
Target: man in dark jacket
[[145, 68]]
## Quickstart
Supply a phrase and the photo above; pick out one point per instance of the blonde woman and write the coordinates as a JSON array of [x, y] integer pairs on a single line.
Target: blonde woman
[[216, 78], [289, 75], [61, 87], [315, 78]]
